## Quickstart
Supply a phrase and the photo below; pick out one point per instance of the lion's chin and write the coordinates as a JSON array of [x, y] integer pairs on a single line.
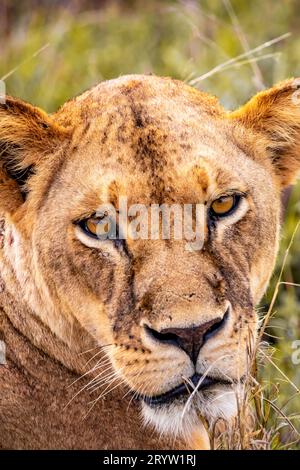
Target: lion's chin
[[182, 419]]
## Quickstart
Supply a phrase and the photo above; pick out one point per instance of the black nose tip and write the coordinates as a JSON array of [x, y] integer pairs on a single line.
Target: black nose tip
[[191, 339]]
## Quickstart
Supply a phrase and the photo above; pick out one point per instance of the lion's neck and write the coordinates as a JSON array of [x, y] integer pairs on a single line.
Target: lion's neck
[[45, 402], [30, 309], [72, 353]]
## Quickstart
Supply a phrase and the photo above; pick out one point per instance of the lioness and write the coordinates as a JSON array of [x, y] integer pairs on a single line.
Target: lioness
[[165, 330]]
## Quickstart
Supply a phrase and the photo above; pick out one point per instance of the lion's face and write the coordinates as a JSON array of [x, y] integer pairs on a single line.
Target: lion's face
[[173, 318]]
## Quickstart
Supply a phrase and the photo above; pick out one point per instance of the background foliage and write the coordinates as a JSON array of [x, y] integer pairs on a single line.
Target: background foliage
[[53, 50]]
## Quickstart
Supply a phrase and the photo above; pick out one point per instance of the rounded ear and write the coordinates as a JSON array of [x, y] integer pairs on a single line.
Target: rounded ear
[[27, 136], [274, 115]]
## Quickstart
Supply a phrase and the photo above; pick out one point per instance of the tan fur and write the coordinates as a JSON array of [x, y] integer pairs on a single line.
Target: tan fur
[[155, 140]]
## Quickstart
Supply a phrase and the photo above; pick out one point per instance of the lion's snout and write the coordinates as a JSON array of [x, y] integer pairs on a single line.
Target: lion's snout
[[189, 339]]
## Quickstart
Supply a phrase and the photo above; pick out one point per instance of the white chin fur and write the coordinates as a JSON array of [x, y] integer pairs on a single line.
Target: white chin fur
[[179, 420]]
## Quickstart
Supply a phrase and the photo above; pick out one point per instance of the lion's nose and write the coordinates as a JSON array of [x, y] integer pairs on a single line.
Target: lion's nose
[[190, 339]]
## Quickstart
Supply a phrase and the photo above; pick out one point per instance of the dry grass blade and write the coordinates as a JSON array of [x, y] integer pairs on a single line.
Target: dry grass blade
[[278, 284], [250, 61], [232, 61], [256, 426], [283, 415], [35, 54], [281, 372], [258, 78]]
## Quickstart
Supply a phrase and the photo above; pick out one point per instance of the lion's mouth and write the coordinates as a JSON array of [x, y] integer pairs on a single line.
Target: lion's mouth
[[197, 381]]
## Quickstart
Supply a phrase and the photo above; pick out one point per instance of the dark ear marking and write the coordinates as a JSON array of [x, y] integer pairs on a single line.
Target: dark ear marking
[[27, 136], [20, 176]]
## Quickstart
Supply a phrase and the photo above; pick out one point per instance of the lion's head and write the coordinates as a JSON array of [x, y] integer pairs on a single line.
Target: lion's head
[[174, 318]]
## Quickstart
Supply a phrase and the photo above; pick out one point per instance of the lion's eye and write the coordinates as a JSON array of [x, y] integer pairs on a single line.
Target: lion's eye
[[224, 205], [97, 227]]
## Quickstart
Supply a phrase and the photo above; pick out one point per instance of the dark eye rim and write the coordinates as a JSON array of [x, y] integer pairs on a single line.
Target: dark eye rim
[[118, 242], [83, 225], [236, 202]]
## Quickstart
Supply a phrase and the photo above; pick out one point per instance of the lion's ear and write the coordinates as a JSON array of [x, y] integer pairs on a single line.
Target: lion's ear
[[274, 114], [27, 136]]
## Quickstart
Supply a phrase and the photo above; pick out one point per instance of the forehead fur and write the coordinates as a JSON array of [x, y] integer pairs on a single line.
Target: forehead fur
[[159, 134], [137, 90]]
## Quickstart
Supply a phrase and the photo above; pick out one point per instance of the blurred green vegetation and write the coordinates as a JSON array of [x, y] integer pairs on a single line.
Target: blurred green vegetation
[[51, 51]]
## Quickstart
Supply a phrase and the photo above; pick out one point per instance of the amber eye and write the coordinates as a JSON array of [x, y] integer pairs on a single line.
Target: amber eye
[[224, 205], [97, 227]]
